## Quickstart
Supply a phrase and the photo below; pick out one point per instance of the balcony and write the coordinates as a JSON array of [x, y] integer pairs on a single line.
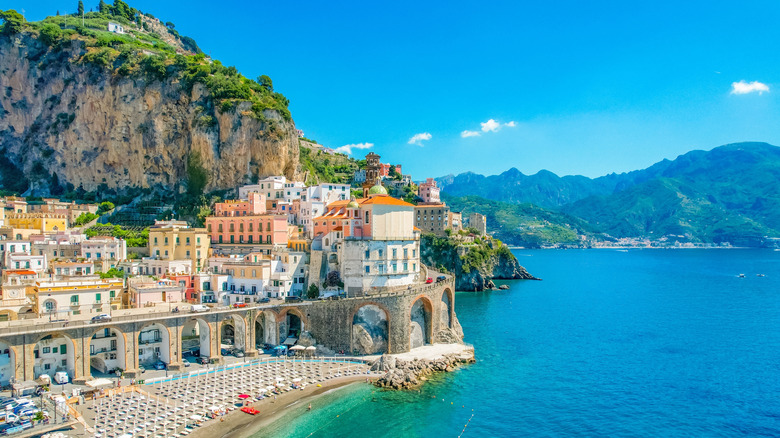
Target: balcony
[[101, 351]]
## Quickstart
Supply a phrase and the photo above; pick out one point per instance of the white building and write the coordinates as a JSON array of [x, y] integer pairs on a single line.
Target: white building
[[77, 296], [271, 187], [8, 247], [115, 27], [37, 263], [153, 266], [104, 248], [314, 201]]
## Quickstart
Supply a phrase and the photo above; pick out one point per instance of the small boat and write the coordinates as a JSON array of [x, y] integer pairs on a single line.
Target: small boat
[[760, 275], [741, 275], [250, 410]]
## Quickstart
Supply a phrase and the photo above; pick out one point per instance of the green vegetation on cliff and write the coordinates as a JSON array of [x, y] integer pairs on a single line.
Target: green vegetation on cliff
[[323, 167], [473, 260], [147, 50]]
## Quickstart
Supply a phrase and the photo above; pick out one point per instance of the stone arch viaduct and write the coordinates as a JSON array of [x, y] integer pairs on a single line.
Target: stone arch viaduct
[[329, 322]]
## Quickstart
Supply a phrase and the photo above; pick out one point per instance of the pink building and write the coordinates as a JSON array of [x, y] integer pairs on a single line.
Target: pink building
[[255, 205], [385, 170], [269, 229], [429, 192]]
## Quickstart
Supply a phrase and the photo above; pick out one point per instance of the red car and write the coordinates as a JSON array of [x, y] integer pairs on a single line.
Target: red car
[[429, 280], [239, 304], [250, 410]]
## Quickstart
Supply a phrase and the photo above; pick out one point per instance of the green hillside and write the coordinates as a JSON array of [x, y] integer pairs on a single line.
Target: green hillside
[[523, 224]]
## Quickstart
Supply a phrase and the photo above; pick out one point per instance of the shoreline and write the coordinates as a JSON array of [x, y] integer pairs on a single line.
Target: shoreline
[[240, 425]]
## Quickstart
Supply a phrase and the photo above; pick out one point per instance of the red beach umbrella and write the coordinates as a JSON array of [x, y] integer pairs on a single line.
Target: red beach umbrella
[[243, 396]]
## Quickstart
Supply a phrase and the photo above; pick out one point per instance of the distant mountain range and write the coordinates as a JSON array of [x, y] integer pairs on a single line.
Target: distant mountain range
[[729, 194]]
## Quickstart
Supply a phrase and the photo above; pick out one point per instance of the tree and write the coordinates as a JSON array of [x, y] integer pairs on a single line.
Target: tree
[[266, 82], [103, 7], [313, 292], [170, 25], [58, 12], [50, 34], [333, 279], [14, 22], [105, 206], [80, 9]]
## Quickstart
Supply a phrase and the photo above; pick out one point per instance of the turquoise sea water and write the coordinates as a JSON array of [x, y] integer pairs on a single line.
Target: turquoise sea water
[[643, 343]]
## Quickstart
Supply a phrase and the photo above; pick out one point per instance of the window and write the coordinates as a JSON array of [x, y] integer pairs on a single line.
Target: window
[[166, 240], [380, 253], [187, 241], [219, 227], [177, 240], [395, 267], [367, 216], [97, 255], [232, 227], [74, 299], [97, 298], [232, 239], [188, 253], [368, 269], [268, 226], [406, 267], [197, 240], [155, 241], [268, 239], [406, 253], [46, 350], [63, 349], [381, 269], [64, 362], [112, 294], [241, 227], [395, 253], [254, 273], [46, 366], [251, 227], [89, 255], [220, 239], [209, 228]]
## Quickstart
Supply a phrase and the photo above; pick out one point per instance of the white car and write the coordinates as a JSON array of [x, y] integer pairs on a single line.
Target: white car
[[61, 377]]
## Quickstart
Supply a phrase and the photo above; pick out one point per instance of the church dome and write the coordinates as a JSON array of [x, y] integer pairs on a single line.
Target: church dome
[[377, 190], [353, 204]]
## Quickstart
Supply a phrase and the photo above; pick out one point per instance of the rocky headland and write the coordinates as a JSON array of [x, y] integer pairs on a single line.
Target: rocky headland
[[475, 261]]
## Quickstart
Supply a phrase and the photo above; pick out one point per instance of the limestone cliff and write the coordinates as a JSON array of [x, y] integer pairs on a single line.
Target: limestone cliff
[[95, 128], [474, 264]]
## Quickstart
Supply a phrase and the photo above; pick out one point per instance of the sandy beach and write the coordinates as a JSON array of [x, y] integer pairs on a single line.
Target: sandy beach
[[238, 424]]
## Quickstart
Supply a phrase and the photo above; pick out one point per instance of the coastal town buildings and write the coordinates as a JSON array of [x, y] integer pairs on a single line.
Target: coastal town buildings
[[175, 240], [144, 291], [432, 218]]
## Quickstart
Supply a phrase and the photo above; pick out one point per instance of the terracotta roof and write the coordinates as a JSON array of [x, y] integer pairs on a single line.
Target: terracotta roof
[[19, 272], [387, 200]]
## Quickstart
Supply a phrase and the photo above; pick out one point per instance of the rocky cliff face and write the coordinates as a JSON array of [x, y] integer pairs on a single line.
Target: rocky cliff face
[[474, 265], [89, 126]]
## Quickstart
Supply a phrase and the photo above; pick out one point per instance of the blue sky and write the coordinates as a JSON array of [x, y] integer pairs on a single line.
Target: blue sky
[[590, 87]]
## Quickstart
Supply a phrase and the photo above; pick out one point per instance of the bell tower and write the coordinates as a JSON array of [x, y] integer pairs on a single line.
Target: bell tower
[[373, 167]]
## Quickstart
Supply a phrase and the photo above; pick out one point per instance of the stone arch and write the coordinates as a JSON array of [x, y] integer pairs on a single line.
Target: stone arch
[[8, 315], [196, 337], [237, 326], [107, 350], [421, 322], [446, 311], [370, 332], [291, 321], [154, 340], [54, 352], [265, 328], [7, 363]]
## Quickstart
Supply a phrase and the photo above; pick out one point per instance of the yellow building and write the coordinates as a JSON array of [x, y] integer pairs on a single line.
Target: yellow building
[[43, 222], [175, 240]]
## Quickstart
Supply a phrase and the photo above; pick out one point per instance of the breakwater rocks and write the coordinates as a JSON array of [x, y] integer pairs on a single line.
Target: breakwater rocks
[[409, 374]]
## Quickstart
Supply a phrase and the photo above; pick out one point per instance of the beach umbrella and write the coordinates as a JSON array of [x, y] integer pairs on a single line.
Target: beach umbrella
[[243, 396], [296, 380]]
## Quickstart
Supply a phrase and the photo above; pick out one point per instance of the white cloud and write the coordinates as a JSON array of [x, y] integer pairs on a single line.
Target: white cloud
[[491, 125], [511, 124], [347, 148], [468, 133], [743, 87], [419, 138]]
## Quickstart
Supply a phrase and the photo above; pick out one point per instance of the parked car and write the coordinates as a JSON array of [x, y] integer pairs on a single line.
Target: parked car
[[239, 305], [440, 278], [103, 317], [61, 377], [292, 299], [159, 365], [203, 360], [265, 300], [237, 353], [429, 280], [199, 308]]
